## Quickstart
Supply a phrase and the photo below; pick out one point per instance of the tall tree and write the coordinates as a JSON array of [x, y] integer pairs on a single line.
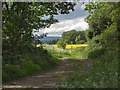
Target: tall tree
[[73, 37], [102, 15], [20, 18]]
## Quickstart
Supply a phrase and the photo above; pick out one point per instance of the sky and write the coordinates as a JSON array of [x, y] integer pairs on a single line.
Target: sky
[[74, 20]]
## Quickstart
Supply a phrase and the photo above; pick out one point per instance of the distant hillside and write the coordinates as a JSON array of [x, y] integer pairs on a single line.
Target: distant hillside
[[49, 39]]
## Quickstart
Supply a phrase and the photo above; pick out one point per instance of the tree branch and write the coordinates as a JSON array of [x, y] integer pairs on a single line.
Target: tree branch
[[13, 5], [7, 6]]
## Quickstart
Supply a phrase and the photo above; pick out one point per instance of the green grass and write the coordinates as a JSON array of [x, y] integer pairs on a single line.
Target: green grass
[[56, 52], [103, 73], [25, 63], [70, 53]]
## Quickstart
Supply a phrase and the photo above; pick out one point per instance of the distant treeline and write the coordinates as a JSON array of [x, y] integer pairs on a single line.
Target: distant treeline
[[70, 37], [54, 41], [73, 37]]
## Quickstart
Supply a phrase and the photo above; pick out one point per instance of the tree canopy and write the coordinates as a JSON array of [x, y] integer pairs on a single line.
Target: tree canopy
[[102, 16], [20, 18], [73, 37]]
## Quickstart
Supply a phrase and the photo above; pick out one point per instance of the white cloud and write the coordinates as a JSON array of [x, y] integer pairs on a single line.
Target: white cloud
[[65, 25], [54, 35], [73, 20]]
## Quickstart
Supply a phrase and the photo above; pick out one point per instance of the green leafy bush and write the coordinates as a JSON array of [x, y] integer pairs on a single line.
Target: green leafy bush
[[61, 44]]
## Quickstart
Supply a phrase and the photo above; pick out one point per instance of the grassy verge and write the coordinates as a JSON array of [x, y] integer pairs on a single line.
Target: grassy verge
[[25, 62], [57, 52], [103, 73]]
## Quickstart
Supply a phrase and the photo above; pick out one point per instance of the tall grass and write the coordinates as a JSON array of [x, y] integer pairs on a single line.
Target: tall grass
[[103, 73], [56, 52], [70, 53], [26, 62]]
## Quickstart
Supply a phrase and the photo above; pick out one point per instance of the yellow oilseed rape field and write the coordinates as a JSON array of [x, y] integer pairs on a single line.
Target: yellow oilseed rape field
[[73, 46]]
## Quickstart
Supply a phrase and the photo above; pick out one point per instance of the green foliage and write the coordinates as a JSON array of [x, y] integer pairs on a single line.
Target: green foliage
[[101, 17], [61, 44], [77, 38], [57, 52], [77, 52], [19, 21], [103, 44], [10, 72], [26, 63], [103, 73], [60, 53], [20, 18], [73, 37], [82, 41], [29, 67]]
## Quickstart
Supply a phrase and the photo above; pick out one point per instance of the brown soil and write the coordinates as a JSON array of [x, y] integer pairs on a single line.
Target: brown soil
[[52, 77]]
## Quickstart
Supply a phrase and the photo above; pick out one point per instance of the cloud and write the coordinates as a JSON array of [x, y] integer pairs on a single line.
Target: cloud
[[65, 25], [67, 22], [52, 35], [79, 12]]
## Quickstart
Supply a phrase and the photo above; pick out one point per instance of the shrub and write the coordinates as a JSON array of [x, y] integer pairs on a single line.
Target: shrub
[[61, 44]]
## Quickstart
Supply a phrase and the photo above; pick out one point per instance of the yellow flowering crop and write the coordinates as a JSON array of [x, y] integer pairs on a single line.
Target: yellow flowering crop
[[73, 46]]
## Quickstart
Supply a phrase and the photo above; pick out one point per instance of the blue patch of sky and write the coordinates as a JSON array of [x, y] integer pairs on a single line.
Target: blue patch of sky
[[73, 14]]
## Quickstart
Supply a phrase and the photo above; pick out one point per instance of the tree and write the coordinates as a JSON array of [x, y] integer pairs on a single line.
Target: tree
[[20, 18], [104, 20], [77, 38], [37, 38], [73, 37], [101, 17], [61, 44], [69, 36]]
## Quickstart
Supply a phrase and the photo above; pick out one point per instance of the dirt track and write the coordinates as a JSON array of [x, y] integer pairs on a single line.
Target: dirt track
[[52, 77]]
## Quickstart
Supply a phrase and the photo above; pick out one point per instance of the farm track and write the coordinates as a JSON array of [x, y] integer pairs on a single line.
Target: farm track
[[52, 77]]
